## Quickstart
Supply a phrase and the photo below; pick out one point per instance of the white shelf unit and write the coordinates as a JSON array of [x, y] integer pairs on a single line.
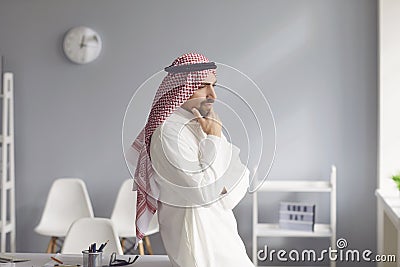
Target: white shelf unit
[[7, 179], [273, 230]]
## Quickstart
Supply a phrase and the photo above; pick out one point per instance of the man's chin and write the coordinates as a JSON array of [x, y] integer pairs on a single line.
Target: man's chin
[[204, 111]]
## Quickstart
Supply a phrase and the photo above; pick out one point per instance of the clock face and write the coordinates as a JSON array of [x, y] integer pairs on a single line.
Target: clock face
[[82, 45]]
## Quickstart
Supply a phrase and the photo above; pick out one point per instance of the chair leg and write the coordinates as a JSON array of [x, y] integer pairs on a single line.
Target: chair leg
[[123, 244], [148, 245], [52, 244], [141, 248]]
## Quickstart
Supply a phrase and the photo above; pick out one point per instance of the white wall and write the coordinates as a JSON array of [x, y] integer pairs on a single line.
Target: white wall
[[389, 84]]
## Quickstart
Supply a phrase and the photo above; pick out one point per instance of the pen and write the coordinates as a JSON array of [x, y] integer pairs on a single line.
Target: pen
[[103, 246], [137, 256], [56, 260], [92, 248]]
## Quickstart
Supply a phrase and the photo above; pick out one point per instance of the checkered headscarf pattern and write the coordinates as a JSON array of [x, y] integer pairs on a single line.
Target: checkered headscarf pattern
[[174, 90]]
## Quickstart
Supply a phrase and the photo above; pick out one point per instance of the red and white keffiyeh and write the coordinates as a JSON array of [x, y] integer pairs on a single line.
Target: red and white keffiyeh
[[175, 89]]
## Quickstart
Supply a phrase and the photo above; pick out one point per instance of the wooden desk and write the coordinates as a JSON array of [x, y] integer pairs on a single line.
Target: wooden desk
[[388, 223], [43, 259]]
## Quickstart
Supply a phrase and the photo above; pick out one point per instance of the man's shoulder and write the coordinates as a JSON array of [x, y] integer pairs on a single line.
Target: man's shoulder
[[168, 128], [179, 123]]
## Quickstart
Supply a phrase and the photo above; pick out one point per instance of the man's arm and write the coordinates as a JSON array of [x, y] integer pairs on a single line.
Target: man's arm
[[187, 169], [236, 179]]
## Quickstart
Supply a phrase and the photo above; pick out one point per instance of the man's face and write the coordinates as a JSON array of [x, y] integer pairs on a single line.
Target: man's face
[[203, 98]]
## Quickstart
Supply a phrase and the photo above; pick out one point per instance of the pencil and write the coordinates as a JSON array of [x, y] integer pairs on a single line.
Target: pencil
[[57, 260]]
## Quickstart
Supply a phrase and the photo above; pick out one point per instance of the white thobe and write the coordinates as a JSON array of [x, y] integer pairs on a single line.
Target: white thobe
[[197, 225]]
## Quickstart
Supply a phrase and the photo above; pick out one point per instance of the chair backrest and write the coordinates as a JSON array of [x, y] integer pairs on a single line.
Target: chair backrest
[[86, 231], [124, 212], [67, 201]]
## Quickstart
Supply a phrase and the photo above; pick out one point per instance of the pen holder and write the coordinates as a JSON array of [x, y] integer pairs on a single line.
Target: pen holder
[[92, 259]]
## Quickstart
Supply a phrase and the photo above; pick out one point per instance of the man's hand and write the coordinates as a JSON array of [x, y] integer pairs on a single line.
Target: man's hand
[[210, 124]]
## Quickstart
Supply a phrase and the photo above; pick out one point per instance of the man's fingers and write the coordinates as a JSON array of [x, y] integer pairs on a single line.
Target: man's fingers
[[214, 116], [211, 113], [197, 114]]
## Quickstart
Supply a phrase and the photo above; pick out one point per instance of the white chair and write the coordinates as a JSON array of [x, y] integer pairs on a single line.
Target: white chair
[[124, 217], [86, 231], [67, 201]]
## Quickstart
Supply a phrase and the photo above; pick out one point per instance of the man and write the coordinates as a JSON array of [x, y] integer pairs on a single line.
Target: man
[[189, 172]]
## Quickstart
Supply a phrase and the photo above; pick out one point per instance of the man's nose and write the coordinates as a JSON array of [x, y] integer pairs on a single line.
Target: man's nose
[[211, 92]]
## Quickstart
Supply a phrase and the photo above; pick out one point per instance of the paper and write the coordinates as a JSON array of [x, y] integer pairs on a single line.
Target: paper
[[7, 264], [5, 259], [67, 261]]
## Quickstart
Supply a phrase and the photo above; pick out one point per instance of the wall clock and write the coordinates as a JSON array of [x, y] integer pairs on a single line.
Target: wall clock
[[82, 45]]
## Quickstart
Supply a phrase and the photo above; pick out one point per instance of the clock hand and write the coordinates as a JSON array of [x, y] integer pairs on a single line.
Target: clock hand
[[88, 45], [82, 41], [91, 42]]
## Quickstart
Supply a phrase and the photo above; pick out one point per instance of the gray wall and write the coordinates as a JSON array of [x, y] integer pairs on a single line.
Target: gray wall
[[314, 60]]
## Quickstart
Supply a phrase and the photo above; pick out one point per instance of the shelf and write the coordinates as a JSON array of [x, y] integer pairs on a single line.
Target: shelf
[[8, 185], [8, 227], [5, 139], [273, 230], [296, 186], [7, 174]]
